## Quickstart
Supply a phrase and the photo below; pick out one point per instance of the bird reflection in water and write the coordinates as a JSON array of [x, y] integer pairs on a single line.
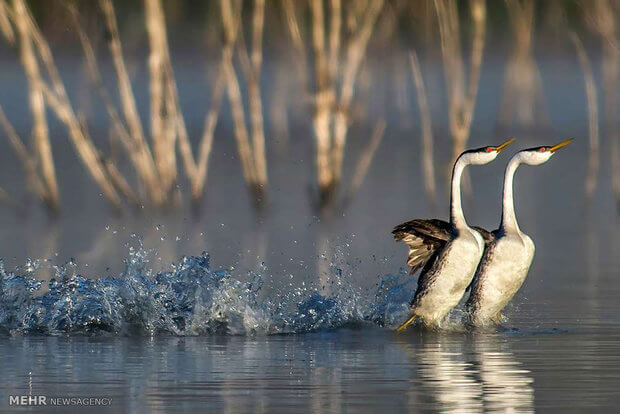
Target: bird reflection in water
[[471, 375]]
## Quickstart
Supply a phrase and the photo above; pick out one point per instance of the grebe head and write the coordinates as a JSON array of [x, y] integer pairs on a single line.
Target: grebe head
[[540, 155], [485, 155]]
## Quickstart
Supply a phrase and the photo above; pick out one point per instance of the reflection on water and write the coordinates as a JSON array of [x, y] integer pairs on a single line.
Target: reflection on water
[[322, 373], [506, 385], [450, 379], [476, 376]]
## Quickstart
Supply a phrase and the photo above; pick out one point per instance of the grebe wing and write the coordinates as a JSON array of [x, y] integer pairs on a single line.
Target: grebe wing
[[424, 238]]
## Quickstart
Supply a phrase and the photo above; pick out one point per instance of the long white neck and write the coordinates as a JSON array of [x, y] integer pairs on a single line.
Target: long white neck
[[457, 217], [509, 219]]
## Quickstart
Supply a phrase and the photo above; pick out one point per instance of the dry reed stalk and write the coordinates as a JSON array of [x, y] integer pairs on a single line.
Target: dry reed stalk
[[244, 57], [29, 163], [174, 129], [231, 20], [156, 88], [365, 160], [40, 131], [593, 133], [603, 21], [462, 98], [163, 127], [358, 108], [324, 101], [206, 143], [149, 176], [335, 20], [185, 147], [356, 50], [252, 155], [83, 144], [18, 146], [121, 183], [5, 23], [167, 123], [57, 100], [241, 132], [140, 157], [428, 166], [173, 119], [292, 25], [133, 138], [256, 109], [175, 125], [94, 74], [334, 79]]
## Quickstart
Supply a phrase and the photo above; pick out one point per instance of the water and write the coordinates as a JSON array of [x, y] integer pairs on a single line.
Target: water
[[190, 299], [194, 337], [334, 371], [289, 311]]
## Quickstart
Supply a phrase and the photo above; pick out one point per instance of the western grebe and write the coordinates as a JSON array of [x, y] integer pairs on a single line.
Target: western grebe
[[447, 252], [509, 254]]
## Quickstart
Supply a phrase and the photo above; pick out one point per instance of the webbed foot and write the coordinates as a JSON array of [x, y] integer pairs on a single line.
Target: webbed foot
[[406, 324]]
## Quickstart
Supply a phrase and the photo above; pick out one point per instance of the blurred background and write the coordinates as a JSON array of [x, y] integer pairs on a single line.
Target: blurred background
[[296, 134]]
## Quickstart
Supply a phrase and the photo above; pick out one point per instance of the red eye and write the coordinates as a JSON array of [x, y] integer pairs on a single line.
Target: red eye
[[489, 149], [543, 149]]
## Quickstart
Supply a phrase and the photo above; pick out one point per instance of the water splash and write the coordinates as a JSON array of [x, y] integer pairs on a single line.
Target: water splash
[[189, 299]]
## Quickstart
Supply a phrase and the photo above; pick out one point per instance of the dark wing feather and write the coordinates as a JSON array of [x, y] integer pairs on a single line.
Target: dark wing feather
[[424, 238]]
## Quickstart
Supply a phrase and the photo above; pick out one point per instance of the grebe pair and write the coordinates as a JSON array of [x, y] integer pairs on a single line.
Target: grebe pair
[[453, 254]]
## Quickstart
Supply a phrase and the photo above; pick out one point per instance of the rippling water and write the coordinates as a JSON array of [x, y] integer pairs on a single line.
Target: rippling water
[[363, 369], [192, 337]]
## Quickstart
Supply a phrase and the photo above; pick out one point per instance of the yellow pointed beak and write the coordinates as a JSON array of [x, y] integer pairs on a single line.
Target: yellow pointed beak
[[500, 147], [560, 145]]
